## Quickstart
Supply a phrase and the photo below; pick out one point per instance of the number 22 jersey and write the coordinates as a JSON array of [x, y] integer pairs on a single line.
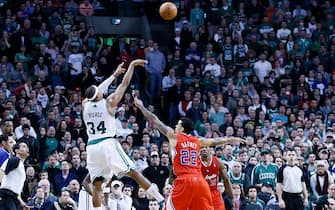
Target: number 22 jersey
[[99, 122], [187, 159]]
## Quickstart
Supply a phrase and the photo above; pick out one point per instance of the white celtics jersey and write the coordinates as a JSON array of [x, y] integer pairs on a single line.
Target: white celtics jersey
[[99, 122]]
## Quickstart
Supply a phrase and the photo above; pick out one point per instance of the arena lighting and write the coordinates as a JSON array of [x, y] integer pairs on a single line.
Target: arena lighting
[[115, 21]]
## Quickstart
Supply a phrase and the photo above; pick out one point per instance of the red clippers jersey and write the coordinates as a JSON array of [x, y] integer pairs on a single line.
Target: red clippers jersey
[[187, 159], [211, 173]]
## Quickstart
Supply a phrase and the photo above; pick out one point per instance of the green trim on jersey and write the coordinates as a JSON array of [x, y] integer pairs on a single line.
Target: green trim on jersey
[[262, 174], [96, 141], [121, 153]]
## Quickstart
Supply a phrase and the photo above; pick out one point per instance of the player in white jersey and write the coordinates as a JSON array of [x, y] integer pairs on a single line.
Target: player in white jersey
[[105, 155]]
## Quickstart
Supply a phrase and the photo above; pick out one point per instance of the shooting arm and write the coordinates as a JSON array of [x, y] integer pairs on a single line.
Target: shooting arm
[[226, 180], [116, 97], [103, 87]]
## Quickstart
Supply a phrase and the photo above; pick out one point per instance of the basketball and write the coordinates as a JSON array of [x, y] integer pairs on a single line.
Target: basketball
[[168, 11]]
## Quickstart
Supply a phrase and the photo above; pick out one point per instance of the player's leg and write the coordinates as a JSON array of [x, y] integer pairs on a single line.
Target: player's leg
[[96, 193], [121, 165], [98, 171], [217, 200], [150, 188], [201, 197], [85, 200], [180, 196]]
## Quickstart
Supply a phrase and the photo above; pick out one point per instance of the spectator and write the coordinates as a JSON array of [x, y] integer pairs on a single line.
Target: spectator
[[238, 199], [253, 201], [117, 199], [64, 201], [19, 130], [237, 176], [262, 67], [31, 143], [322, 200], [74, 188], [48, 196], [75, 65], [51, 142], [265, 172], [140, 201], [156, 173], [319, 187], [153, 205], [64, 177], [155, 67], [38, 201], [227, 155], [77, 169], [52, 168]]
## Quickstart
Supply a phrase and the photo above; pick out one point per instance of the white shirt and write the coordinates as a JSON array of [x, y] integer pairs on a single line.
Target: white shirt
[[141, 164], [168, 82], [122, 203], [76, 61], [124, 132], [283, 33], [292, 176], [13, 181], [262, 69], [19, 132], [214, 69]]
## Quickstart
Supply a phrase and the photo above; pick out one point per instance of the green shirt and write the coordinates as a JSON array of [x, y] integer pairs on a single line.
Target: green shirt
[[264, 174], [51, 145]]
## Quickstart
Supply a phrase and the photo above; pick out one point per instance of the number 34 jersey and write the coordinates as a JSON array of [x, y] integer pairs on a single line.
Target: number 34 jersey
[[99, 122], [187, 159]]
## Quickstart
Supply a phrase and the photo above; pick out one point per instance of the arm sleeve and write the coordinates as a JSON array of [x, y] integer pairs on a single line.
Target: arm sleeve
[[103, 87]]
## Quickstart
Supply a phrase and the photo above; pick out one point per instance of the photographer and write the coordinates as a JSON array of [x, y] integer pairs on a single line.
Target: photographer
[[64, 202]]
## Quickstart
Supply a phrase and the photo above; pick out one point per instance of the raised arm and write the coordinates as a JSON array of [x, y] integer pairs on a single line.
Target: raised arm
[[103, 87], [164, 129], [226, 180], [212, 142], [116, 97]]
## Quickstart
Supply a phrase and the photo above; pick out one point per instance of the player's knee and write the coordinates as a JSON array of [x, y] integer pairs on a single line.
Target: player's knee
[[133, 173], [97, 186]]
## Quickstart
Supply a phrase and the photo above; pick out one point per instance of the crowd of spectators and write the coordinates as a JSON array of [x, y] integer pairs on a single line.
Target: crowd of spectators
[[261, 70]]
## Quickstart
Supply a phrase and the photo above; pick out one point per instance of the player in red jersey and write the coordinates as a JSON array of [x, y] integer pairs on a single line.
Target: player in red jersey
[[190, 190], [211, 168]]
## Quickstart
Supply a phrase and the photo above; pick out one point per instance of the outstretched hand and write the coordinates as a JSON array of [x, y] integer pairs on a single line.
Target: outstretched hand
[[236, 140], [137, 101], [120, 70], [139, 62]]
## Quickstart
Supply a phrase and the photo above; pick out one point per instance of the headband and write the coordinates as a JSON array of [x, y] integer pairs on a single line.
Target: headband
[[95, 93]]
